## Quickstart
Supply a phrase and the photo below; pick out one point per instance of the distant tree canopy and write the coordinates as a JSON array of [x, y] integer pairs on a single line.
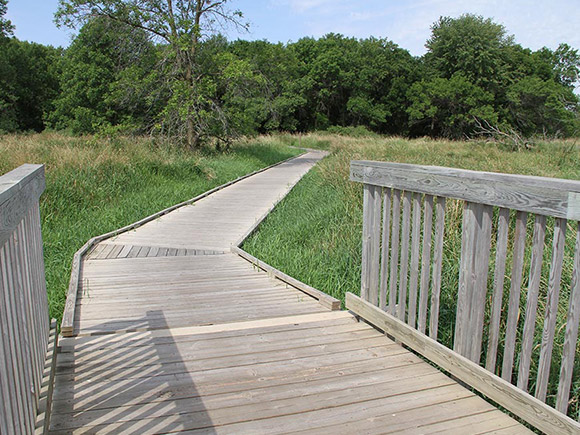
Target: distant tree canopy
[[135, 72]]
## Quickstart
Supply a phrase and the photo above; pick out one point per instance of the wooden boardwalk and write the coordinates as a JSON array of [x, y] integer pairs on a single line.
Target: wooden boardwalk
[[177, 334]]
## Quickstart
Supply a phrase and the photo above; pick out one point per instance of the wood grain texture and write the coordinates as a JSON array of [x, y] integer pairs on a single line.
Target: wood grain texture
[[498, 286], [395, 237], [551, 314], [20, 190], [547, 196], [532, 301], [497, 389], [514, 298], [385, 243], [425, 263], [481, 270], [415, 252], [437, 267], [404, 262], [571, 337]]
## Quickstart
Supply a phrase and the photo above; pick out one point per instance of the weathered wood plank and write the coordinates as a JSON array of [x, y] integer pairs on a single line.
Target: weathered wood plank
[[461, 340], [425, 263], [404, 264], [386, 235], [375, 240], [571, 337], [546, 196], [415, 252], [498, 283], [550, 317], [437, 267], [366, 242], [532, 301], [497, 389], [514, 298], [324, 299], [20, 189], [395, 237], [481, 270]]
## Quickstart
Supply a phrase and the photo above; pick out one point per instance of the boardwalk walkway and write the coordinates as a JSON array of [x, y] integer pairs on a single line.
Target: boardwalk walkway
[[175, 333]]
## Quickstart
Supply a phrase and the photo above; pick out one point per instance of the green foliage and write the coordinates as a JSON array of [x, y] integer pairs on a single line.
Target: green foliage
[[103, 71], [471, 45], [6, 27], [28, 83], [450, 107], [153, 66], [543, 106]]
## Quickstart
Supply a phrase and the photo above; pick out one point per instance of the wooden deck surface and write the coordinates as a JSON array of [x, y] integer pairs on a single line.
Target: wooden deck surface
[[176, 334]]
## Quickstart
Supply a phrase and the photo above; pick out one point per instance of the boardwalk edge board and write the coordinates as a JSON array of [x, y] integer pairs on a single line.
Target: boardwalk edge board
[[522, 404]]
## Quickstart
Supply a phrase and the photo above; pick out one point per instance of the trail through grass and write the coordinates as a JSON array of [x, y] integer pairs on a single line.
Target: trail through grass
[[98, 185]]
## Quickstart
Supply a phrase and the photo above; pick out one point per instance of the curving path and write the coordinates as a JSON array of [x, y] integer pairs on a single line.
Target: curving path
[[177, 334]]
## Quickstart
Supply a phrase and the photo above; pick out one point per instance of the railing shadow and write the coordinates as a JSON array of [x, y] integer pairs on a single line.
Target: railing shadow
[[130, 383]]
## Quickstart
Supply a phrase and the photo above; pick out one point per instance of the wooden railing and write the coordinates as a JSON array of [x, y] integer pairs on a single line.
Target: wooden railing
[[24, 321], [416, 255]]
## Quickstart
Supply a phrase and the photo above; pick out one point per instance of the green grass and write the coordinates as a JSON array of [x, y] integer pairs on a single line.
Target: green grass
[[315, 234], [97, 185]]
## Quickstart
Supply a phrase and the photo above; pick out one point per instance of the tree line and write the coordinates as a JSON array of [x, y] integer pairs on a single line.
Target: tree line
[[169, 72]]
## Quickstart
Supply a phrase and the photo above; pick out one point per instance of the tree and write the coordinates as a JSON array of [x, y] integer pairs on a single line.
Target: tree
[[449, 107], [103, 75], [181, 25], [472, 45], [6, 27]]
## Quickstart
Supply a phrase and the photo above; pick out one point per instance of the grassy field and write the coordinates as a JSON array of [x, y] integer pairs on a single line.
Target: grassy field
[[97, 185], [315, 233]]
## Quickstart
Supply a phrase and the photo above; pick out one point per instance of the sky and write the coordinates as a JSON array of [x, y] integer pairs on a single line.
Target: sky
[[535, 24]]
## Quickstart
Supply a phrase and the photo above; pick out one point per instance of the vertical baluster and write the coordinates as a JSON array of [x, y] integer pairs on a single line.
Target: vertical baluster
[[407, 197], [425, 263], [375, 235], [551, 308], [385, 248], [437, 267], [393, 274], [571, 337], [514, 298], [466, 276], [481, 271], [415, 250], [366, 243], [499, 278], [532, 301]]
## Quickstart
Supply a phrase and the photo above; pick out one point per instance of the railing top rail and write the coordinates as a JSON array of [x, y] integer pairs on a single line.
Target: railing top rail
[[540, 195], [14, 181], [19, 190]]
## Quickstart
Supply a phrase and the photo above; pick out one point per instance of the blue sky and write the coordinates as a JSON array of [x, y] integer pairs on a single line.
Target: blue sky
[[534, 23]]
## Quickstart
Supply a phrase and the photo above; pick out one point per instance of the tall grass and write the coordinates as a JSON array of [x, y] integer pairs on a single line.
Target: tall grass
[[97, 185], [315, 233]]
